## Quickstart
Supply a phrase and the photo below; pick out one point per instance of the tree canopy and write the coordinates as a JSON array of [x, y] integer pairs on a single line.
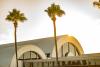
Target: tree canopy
[[54, 10], [16, 16]]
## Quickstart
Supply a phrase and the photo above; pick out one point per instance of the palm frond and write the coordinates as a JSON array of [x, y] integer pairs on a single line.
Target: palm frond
[[54, 10], [16, 15], [60, 13], [96, 3]]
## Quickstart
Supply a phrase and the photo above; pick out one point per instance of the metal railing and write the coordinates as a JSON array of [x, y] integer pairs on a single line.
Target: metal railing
[[76, 61]]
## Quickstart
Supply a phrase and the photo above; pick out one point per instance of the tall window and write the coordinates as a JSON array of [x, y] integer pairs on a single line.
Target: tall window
[[68, 49]]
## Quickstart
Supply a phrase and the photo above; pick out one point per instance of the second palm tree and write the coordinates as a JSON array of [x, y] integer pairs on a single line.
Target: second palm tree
[[52, 12]]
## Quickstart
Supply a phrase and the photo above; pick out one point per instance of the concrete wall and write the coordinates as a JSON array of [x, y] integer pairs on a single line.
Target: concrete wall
[[6, 55], [7, 50]]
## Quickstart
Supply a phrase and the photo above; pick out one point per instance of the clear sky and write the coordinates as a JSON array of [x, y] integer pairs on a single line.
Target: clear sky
[[82, 20]]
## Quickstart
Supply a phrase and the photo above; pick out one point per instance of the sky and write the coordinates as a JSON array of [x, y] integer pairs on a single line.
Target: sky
[[82, 20]]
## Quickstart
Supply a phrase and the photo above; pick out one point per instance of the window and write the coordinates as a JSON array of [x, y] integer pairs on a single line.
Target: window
[[68, 49]]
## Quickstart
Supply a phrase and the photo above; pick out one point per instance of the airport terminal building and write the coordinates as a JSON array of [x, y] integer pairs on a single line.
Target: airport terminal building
[[32, 50]]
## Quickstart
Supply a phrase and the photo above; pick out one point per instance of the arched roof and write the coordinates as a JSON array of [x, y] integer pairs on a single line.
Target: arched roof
[[27, 48], [65, 38]]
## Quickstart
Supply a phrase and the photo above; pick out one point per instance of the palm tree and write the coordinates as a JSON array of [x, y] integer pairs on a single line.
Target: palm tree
[[53, 11], [15, 16], [95, 3]]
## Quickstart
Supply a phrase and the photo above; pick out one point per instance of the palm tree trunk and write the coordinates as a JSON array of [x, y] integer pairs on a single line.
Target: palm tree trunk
[[75, 50], [55, 40], [62, 51], [15, 28], [68, 47]]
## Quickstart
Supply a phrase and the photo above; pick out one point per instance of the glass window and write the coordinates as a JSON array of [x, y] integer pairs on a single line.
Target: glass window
[[68, 49]]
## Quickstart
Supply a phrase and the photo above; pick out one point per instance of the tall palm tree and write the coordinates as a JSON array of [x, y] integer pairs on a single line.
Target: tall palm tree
[[53, 11], [15, 16], [95, 3]]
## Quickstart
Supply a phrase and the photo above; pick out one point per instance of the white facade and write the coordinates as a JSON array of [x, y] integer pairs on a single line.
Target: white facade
[[41, 47]]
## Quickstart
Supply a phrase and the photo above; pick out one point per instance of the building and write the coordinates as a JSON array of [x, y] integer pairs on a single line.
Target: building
[[42, 49], [69, 51]]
